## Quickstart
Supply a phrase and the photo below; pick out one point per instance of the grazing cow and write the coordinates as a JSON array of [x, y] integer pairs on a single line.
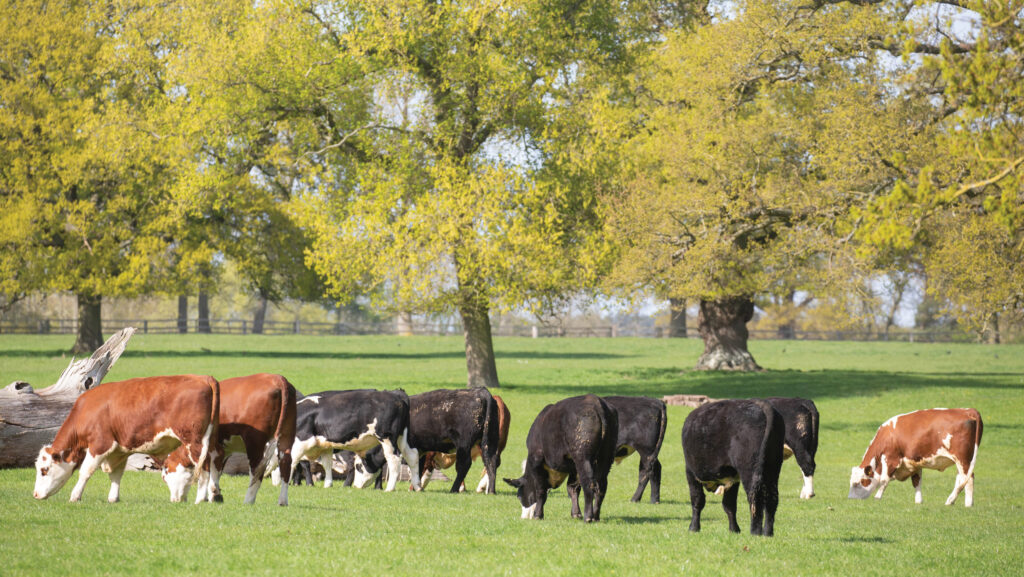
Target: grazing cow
[[433, 460], [356, 421], [454, 421], [641, 429], [731, 441], [359, 471], [574, 438], [801, 416], [929, 439], [257, 417], [148, 415]]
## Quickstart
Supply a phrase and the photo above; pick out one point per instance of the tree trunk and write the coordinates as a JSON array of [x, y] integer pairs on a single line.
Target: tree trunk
[[403, 324], [29, 419], [90, 325], [677, 318], [203, 322], [260, 315], [476, 327], [183, 314], [723, 326]]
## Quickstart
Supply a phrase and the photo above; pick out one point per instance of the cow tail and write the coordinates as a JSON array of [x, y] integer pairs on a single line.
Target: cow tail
[[204, 454], [664, 423], [489, 439], [978, 427], [284, 446]]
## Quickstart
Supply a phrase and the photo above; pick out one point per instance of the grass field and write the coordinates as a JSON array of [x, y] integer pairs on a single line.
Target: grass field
[[342, 531]]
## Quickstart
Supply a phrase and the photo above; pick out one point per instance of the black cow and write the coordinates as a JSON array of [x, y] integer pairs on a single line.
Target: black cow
[[356, 421], [730, 441], [453, 421], [641, 429], [574, 438], [801, 416]]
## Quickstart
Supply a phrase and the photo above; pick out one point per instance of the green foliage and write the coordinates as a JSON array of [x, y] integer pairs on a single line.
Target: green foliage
[[855, 385]]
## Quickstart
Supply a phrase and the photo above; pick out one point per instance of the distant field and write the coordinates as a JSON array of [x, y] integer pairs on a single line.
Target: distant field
[[344, 531]]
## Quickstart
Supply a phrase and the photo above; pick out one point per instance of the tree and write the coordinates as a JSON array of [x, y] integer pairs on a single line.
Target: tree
[[965, 206], [748, 143], [457, 200], [84, 203]]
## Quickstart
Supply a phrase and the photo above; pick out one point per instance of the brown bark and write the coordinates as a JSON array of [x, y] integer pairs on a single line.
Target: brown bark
[[476, 328], [29, 419], [203, 320], [90, 324], [260, 315], [183, 314], [677, 318], [723, 326]]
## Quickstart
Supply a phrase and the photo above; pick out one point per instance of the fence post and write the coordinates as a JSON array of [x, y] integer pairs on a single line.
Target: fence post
[[145, 327], [296, 326]]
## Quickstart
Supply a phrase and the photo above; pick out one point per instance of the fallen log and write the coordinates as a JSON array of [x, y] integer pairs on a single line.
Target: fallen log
[[29, 418], [687, 400]]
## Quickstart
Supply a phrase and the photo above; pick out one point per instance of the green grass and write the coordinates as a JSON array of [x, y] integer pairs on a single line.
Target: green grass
[[344, 531]]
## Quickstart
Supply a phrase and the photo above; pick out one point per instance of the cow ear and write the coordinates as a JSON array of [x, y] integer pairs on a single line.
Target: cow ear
[[868, 471], [514, 482]]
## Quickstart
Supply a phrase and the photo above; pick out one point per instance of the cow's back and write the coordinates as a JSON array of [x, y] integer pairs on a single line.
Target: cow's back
[[722, 437]]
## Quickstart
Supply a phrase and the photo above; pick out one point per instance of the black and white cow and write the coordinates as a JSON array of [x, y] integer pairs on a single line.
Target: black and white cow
[[361, 470], [801, 416], [731, 441], [574, 438], [641, 429], [453, 421], [356, 421]]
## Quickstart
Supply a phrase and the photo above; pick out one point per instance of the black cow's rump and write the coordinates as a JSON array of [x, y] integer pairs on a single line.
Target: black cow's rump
[[732, 441], [801, 417]]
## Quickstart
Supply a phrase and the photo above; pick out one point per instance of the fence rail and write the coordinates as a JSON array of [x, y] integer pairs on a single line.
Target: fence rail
[[245, 327]]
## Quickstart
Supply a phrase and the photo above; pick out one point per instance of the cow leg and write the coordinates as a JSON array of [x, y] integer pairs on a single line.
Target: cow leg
[[412, 458], [808, 489], [646, 464], [490, 460], [116, 472], [882, 484], [961, 482], [806, 463], [394, 462], [284, 456], [656, 482], [572, 486], [259, 453], [696, 501], [770, 491], [969, 490], [463, 461], [729, 497], [216, 469], [89, 466], [326, 461]]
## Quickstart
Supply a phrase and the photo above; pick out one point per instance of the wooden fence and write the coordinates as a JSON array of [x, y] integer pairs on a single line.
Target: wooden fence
[[245, 327]]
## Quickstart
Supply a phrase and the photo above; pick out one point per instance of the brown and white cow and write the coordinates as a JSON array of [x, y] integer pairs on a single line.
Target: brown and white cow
[[929, 439], [151, 415], [435, 460], [257, 417]]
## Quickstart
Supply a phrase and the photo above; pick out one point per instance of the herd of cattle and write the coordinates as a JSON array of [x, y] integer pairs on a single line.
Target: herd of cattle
[[190, 424]]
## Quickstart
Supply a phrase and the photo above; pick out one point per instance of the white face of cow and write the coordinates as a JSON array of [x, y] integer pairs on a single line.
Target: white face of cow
[[863, 482], [51, 473], [362, 477], [178, 481]]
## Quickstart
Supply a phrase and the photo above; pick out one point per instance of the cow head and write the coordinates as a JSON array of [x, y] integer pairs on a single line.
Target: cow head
[[363, 476], [863, 481], [178, 477], [531, 495], [52, 471]]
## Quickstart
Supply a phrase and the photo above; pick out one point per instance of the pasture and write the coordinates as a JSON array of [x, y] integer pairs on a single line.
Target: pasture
[[342, 531]]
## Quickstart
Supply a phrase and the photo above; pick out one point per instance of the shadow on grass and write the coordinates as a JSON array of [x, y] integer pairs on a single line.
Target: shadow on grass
[[862, 540], [658, 382], [637, 520]]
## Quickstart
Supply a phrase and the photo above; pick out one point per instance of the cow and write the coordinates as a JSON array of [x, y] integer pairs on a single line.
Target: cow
[[801, 417], [928, 439], [360, 470], [642, 423], [357, 421], [574, 438], [454, 421], [433, 460], [106, 424], [257, 417], [732, 441]]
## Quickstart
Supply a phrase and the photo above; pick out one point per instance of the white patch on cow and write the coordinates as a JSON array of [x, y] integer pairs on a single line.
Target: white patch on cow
[[362, 477], [178, 481], [162, 443], [482, 485], [917, 491], [882, 478], [315, 399], [50, 475], [946, 440], [89, 466], [808, 489], [394, 464], [858, 490], [528, 512], [412, 457]]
